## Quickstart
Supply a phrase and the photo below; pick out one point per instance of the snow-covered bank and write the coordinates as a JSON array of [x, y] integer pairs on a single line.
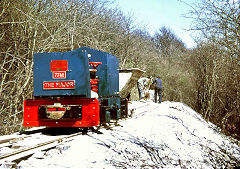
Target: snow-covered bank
[[167, 135]]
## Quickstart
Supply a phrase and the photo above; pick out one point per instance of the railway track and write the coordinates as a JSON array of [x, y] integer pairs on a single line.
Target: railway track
[[20, 147]]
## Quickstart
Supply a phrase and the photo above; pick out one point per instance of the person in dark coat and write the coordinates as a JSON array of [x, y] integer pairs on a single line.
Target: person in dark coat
[[158, 90]]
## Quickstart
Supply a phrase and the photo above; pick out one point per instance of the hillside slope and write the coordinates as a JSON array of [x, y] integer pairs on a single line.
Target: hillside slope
[[166, 135]]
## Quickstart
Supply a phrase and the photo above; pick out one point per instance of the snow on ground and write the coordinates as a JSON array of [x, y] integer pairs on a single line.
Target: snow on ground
[[166, 135]]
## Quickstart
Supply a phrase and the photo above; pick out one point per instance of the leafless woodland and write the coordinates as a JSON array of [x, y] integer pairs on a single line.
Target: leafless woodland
[[206, 77]]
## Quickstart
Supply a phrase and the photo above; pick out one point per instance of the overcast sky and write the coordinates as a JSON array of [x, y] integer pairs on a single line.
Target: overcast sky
[[158, 13]]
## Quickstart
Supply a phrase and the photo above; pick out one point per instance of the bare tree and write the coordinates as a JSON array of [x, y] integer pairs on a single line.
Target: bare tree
[[32, 26], [167, 42], [219, 21], [219, 96]]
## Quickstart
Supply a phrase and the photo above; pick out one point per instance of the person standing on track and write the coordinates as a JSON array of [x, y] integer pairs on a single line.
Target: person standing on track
[[158, 90]]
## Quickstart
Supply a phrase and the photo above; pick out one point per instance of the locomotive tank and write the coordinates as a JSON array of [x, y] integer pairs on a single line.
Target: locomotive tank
[[61, 74]]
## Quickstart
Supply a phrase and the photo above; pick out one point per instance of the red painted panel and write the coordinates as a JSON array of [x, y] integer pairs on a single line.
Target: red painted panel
[[59, 65], [59, 75], [90, 113], [69, 84]]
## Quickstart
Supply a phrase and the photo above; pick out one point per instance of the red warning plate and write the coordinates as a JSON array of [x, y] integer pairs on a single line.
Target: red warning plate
[[59, 75], [70, 84], [59, 65]]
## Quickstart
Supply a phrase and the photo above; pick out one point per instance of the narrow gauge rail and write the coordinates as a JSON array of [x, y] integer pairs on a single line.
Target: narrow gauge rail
[[27, 151], [23, 152], [12, 139]]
